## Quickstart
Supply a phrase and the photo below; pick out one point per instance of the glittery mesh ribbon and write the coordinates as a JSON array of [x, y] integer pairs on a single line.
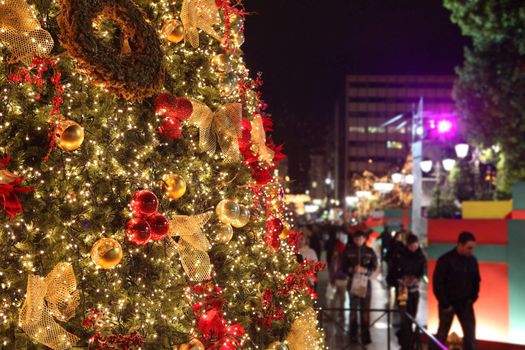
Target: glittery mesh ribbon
[[259, 140], [21, 33], [199, 14], [47, 299], [223, 127], [193, 246], [304, 334]]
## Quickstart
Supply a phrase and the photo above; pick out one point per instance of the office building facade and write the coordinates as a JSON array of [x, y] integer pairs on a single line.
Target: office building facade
[[370, 101]]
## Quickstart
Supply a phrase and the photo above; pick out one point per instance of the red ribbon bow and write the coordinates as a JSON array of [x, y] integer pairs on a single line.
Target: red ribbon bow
[[8, 193]]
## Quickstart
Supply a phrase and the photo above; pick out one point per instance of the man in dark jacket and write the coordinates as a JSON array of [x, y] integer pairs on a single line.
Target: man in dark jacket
[[392, 257], [412, 265], [358, 258], [456, 286]]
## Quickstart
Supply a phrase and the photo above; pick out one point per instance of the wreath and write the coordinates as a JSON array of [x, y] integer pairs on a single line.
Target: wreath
[[131, 68]]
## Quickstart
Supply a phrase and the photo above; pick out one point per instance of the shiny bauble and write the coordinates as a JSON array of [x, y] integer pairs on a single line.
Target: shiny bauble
[[174, 186], [221, 63], [144, 203], [194, 344], [228, 84], [227, 211], [173, 31], [277, 345], [106, 253], [243, 218], [236, 22], [223, 233], [160, 226], [138, 231], [286, 232], [70, 135], [274, 226], [237, 39]]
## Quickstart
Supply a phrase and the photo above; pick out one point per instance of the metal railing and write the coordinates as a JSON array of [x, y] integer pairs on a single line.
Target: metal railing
[[327, 313], [410, 333], [417, 332]]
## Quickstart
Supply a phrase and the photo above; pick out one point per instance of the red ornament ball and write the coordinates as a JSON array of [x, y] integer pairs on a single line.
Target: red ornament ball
[[144, 203], [274, 226], [139, 231], [160, 226], [173, 107], [171, 128]]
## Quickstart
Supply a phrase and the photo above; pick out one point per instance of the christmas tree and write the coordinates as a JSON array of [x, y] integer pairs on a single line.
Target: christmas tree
[[140, 203]]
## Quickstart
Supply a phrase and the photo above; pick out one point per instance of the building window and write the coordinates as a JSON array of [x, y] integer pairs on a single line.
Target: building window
[[359, 129], [394, 145], [376, 130], [395, 130]]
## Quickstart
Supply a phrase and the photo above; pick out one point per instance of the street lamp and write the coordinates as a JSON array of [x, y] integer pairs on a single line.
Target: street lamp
[[363, 194], [426, 165], [383, 187], [409, 179], [448, 164], [461, 150], [397, 178]]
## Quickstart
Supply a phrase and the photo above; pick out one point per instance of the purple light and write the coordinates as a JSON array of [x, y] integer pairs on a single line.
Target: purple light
[[444, 126]]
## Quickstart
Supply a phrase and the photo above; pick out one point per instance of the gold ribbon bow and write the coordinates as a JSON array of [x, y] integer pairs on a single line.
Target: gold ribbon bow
[[223, 126], [47, 299], [21, 33], [199, 14], [259, 140], [304, 334], [193, 246]]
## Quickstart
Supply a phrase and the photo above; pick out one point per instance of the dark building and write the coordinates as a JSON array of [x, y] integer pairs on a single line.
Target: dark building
[[370, 101]]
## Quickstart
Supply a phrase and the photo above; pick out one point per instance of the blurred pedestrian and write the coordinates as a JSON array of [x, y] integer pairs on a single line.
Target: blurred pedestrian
[[456, 286], [330, 244], [393, 255], [304, 249], [338, 280], [360, 262], [412, 265]]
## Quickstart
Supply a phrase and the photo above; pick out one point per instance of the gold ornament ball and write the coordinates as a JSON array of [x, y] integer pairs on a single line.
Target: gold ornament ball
[[227, 84], [223, 233], [173, 31], [227, 211], [221, 63], [194, 344], [237, 39], [71, 135], [236, 22], [174, 186], [106, 253], [285, 233], [243, 218], [277, 345]]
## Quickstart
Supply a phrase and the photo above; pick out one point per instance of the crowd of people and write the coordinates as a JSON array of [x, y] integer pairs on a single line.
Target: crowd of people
[[354, 260]]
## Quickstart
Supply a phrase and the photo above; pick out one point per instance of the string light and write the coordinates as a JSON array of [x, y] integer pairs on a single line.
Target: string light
[[82, 196]]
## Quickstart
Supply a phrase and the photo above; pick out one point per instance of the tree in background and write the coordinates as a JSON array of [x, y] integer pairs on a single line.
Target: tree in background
[[140, 205], [490, 91]]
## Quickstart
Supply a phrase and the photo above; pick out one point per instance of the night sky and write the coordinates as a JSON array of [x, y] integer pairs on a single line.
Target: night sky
[[305, 47]]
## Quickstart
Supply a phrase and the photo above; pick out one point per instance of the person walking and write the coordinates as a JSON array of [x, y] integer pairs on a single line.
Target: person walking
[[392, 257], [305, 250], [338, 281], [360, 262], [456, 286], [412, 265]]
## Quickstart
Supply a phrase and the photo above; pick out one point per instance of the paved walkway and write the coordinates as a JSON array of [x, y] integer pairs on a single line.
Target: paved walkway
[[337, 332]]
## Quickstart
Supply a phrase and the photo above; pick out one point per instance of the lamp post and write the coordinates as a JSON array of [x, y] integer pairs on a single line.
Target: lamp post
[[462, 150]]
